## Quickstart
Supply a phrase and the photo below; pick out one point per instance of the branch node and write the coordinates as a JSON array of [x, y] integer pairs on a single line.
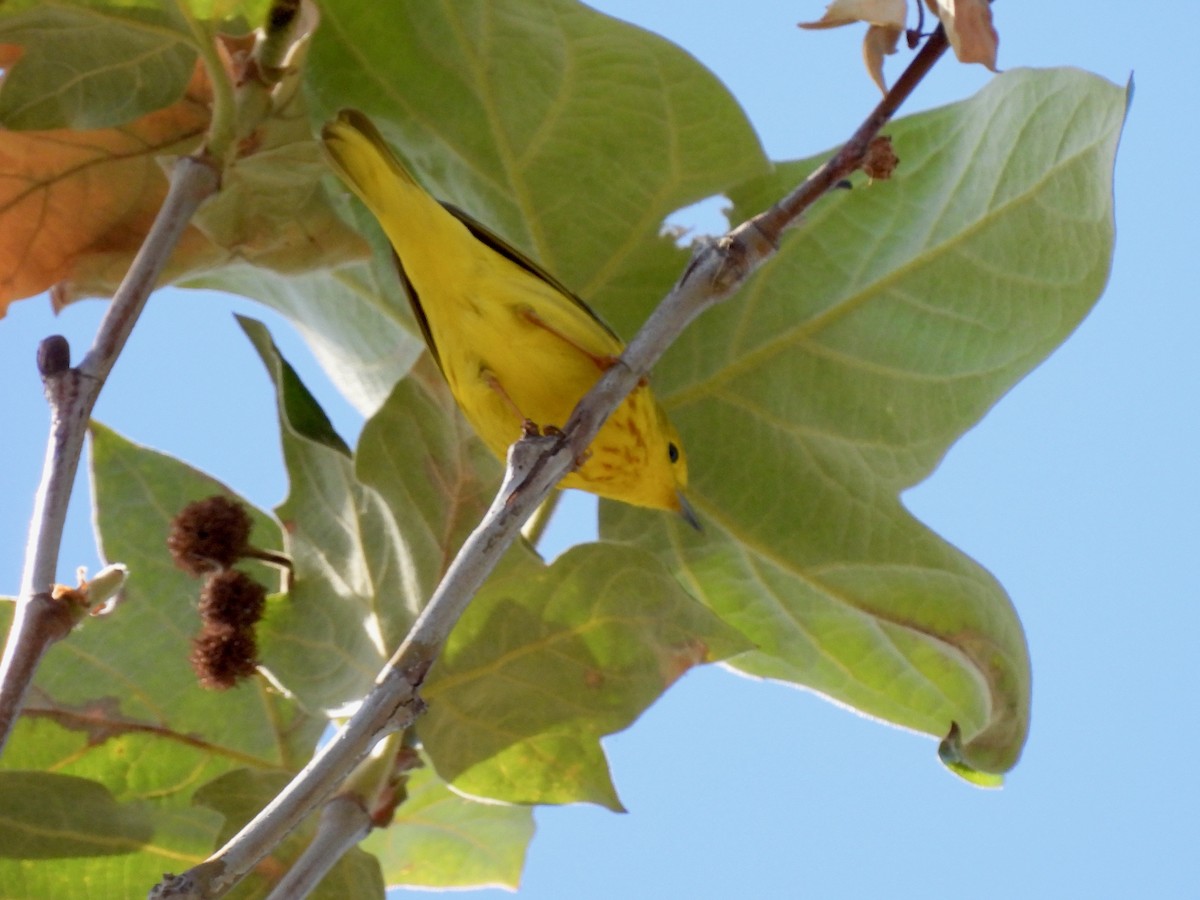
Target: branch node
[[524, 457], [880, 160], [702, 251], [60, 612], [175, 886], [410, 706], [415, 676]]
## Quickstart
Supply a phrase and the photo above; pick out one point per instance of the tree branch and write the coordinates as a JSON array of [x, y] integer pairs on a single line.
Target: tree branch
[[535, 466], [344, 822], [40, 620]]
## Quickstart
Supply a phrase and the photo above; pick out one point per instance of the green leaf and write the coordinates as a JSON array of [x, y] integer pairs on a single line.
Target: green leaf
[[572, 134], [93, 65], [370, 536], [50, 816], [117, 702], [86, 64], [440, 839], [325, 645], [129, 673], [886, 327], [542, 666], [60, 831], [434, 474]]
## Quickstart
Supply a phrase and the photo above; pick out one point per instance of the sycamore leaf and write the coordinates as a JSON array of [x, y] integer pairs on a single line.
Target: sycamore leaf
[[885, 327], [440, 839], [543, 665], [969, 27], [92, 66], [117, 703], [75, 201], [75, 205]]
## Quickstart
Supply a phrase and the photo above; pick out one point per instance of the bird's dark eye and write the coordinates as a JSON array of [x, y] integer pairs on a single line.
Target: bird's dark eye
[[672, 452]]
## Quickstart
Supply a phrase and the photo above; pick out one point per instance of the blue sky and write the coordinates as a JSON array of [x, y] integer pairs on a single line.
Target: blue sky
[[1079, 491]]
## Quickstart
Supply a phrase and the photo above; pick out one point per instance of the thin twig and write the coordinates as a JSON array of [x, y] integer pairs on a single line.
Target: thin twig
[[40, 621], [344, 821], [535, 466], [773, 222], [721, 266]]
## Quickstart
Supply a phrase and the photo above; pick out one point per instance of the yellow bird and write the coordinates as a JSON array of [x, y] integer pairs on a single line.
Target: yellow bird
[[515, 345]]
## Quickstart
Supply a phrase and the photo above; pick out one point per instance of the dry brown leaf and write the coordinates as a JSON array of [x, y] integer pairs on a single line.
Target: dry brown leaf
[[884, 13], [67, 195], [880, 41], [886, 18], [969, 27]]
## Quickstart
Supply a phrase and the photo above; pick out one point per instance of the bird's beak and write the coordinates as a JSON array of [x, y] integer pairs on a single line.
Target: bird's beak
[[689, 514]]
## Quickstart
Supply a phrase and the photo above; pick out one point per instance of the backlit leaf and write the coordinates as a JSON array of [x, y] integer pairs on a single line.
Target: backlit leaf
[[887, 325]]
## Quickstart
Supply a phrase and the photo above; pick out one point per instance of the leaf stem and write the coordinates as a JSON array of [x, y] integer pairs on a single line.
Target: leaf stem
[[540, 520], [222, 129]]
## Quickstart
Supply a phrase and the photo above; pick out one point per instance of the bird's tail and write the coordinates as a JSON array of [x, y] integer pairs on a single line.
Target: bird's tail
[[363, 160]]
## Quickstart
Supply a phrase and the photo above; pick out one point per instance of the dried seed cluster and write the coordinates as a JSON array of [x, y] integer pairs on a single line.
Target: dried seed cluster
[[206, 539], [209, 535]]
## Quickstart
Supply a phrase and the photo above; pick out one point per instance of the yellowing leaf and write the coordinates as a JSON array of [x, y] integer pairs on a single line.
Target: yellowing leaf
[[76, 205], [968, 25], [71, 198]]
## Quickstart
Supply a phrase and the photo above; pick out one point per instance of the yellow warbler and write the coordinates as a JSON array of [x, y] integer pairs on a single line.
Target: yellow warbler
[[514, 344]]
